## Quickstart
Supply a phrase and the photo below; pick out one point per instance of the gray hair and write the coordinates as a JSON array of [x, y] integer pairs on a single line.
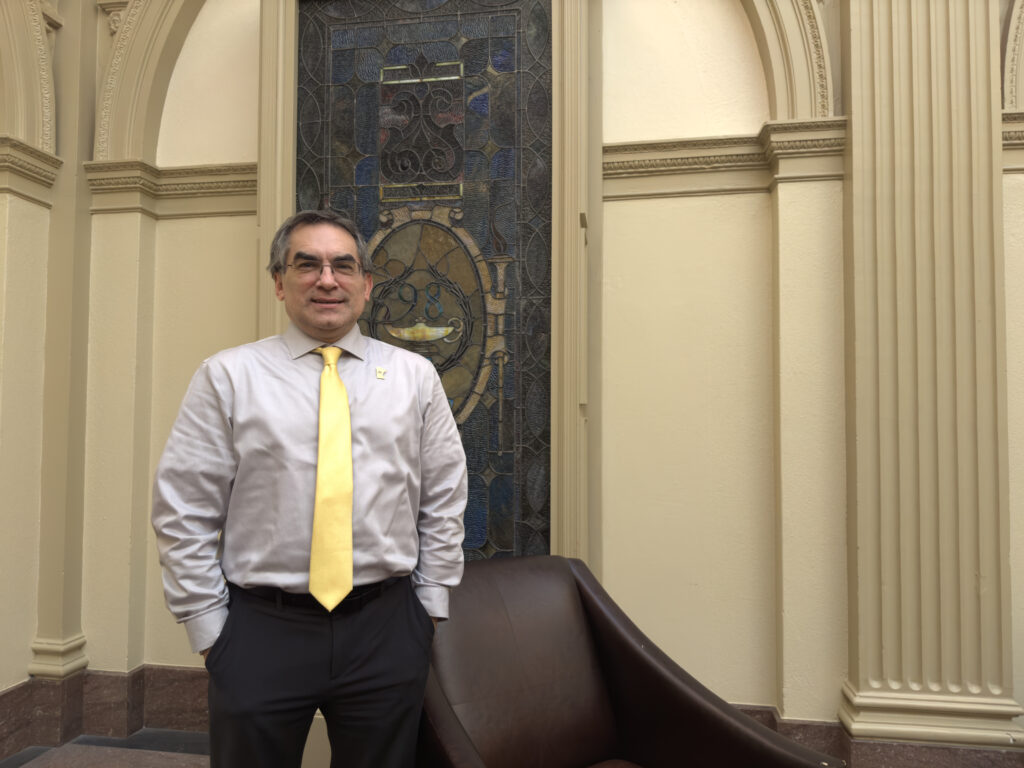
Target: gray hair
[[282, 238]]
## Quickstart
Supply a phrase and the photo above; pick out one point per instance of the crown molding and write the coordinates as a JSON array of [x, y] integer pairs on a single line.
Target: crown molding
[[180, 192], [782, 151], [26, 171]]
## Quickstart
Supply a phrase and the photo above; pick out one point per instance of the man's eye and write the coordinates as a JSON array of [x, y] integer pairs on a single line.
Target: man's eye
[[307, 267], [344, 267]]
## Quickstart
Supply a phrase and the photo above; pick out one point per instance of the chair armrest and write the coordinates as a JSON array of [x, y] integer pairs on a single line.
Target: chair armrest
[[663, 713], [443, 742]]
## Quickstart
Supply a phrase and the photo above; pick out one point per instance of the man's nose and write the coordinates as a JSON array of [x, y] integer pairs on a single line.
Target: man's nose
[[327, 277]]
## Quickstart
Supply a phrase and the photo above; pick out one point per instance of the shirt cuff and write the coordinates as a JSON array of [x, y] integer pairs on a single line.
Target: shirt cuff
[[434, 599], [204, 629]]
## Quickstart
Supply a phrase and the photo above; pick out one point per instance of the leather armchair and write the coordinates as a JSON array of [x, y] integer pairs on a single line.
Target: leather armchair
[[539, 668]]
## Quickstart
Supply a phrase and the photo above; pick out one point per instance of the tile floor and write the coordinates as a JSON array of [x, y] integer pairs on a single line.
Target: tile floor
[[148, 748]]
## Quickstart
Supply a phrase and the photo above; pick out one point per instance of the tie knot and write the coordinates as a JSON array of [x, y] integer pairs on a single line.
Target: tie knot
[[331, 354]]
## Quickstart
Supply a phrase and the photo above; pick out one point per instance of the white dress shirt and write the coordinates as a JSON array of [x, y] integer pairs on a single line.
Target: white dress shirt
[[238, 473]]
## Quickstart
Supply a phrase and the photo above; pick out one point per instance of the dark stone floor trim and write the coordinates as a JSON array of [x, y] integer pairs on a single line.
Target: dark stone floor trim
[[832, 739], [137, 710]]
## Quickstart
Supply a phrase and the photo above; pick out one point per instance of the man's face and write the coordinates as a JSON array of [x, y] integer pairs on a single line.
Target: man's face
[[321, 303]]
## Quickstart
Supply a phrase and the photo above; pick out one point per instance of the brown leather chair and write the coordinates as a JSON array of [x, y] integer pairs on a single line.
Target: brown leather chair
[[538, 668]]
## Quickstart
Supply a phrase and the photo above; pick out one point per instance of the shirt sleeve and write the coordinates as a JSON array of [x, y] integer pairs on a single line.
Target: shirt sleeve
[[443, 493], [190, 500]]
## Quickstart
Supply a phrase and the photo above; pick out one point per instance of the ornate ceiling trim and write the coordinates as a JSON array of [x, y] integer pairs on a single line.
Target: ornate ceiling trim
[[26, 75], [146, 46], [794, 56]]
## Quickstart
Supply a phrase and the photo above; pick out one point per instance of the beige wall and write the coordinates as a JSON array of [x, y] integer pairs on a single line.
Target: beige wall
[[1013, 245], [205, 301], [687, 492], [210, 115], [23, 225], [663, 57]]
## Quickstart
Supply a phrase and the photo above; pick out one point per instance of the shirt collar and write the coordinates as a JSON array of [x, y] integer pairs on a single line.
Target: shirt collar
[[299, 344]]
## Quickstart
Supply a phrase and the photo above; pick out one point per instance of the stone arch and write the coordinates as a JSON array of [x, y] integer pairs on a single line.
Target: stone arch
[[134, 86], [1013, 61], [795, 58], [26, 76]]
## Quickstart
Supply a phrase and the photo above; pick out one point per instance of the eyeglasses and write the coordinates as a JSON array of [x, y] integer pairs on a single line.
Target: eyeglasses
[[310, 268]]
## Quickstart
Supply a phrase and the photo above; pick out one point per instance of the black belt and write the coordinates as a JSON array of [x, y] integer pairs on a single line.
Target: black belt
[[357, 598]]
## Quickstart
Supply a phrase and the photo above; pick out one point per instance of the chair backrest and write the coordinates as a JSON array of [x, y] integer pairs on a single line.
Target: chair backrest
[[517, 664]]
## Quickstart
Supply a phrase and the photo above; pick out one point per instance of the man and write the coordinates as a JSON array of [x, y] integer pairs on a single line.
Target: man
[[233, 510]]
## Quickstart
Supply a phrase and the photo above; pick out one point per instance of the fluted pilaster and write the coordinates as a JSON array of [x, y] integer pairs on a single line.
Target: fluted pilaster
[[929, 602]]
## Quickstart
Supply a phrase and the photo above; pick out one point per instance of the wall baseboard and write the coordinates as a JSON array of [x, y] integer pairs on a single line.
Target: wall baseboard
[[49, 713], [832, 739]]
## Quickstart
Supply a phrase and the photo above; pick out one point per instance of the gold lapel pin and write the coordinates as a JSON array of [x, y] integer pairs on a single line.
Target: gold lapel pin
[[380, 372]]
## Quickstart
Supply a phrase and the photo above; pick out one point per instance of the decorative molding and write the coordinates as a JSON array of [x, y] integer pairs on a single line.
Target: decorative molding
[[55, 659], [27, 172], [44, 53], [27, 161], [726, 165], [1012, 63], [115, 13], [27, 97], [275, 198], [122, 40], [133, 185], [570, 181], [1013, 142], [678, 145], [812, 27], [928, 557], [793, 56], [133, 90], [916, 716]]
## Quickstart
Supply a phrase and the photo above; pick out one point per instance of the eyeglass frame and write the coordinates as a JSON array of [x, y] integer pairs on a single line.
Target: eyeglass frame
[[303, 264]]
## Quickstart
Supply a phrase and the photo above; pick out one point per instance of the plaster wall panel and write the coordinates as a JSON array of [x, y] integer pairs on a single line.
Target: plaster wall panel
[[662, 58], [23, 230], [687, 461], [210, 115], [205, 301]]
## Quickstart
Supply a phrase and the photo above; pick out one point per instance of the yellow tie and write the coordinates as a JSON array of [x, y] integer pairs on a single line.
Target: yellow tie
[[330, 554]]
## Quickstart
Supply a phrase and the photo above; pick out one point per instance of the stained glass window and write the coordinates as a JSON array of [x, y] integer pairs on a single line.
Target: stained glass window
[[428, 122]]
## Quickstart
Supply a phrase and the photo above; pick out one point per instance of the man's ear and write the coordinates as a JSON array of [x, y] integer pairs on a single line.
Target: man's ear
[[279, 286]]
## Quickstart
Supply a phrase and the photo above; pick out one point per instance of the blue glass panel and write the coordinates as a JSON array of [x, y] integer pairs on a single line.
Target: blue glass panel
[[503, 165], [369, 37], [343, 66], [503, 25], [418, 33], [476, 514], [366, 218], [367, 172], [342, 200], [401, 54], [368, 65], [343, 38], [474, 440], [474, 26], [419, 6], [475, 165], [503, 54], [367, 133], [440, 52], [501, 513], [474, 56]]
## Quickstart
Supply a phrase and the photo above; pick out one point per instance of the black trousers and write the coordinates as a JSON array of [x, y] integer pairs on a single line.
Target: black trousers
[[364, 666]]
